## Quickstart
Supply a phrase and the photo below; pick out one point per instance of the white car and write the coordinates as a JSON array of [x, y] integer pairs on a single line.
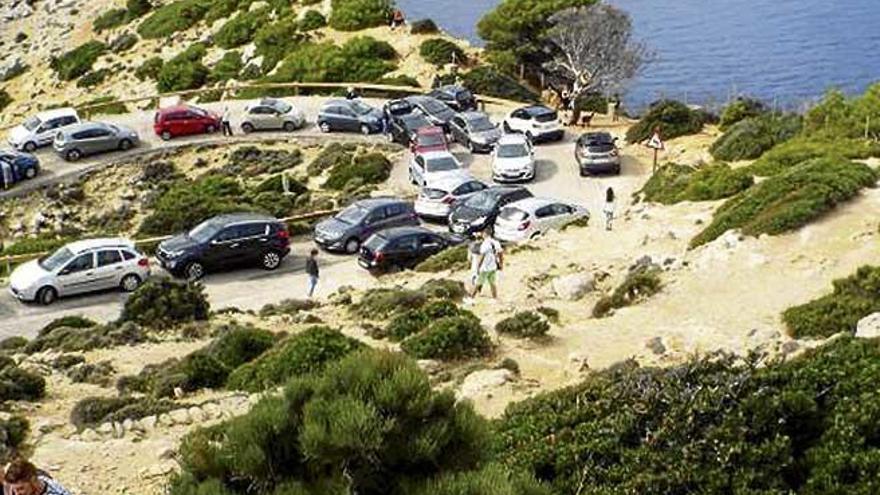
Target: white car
[[271, 114], [79, 267], [437, 198], [40, 129], [513, 159], [531, 217], [537, 122], [426, 166]]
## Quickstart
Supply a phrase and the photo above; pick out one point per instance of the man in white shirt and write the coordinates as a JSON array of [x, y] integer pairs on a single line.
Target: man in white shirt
[[491, 261]]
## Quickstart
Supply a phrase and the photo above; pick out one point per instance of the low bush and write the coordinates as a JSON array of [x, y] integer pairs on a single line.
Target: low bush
[[13, 432], [369, 168], [300, 354], [67, 361], [851, 299], [137, 8], [439, 51], [360, 59], [674, 183], [415, 320], [423, 26], [275, 40], [74, 63], [97, 374], [739, 110], [72, 339], [73, 321], [312, 20], [13, 344], [639, 284], [165, 303], [227, 67], [551, 314], [383, 302], [523, 324], [185, 71], [288, 307], [94, 411], [399, 80], [93, 78], [800, 149], [354, 15], [443, 288], [751, 137], [104, 105], [173, 17], [186, 203], [791, 199], [453, 259], [149, 69], [840, 117], [251, 161], [673, 118], [450, 338], [331, 156], [110, 19], [18, 384], [40, 243], [241, 29], [5, 99]]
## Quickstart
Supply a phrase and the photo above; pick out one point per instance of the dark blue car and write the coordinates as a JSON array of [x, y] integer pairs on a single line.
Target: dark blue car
[[17, 166]]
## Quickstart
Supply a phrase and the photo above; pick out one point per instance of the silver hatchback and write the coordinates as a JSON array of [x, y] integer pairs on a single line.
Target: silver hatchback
[[270, 113], [90, 138]]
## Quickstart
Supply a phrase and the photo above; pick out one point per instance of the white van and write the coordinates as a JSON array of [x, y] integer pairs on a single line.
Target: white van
[[40, 129]]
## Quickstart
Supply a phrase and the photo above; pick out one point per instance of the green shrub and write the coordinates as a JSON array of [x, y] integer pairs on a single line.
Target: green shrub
[[791, 199], [93, 411], [185, 71], [288, 307], [187, 203], [382, 302], [72, 339], [275, 40], [370, 168], [439, 51], [798, 150], [67, 361], [241, 29], [331, 156], [443, 288], [359, 59], [149, 69], [453, 259], [165, 303], [97, 374], [5, 99], [18, 384], [399, 80], [110, 19], [105, 105], [93, 78], [741, 109], [839, 117], [312, 20], [14, 343], [638, 285], [551, 314], [851, 299], [251, 161], [13, 432], [123, 42], [751, 137], [423, 26], [673, 118], [524, 324], [137, 8], [227, 67], [415, 320], [450, 338], [74, 321], [674, 183], [306, 352], [173, 17], [74, 63], [354, 15]]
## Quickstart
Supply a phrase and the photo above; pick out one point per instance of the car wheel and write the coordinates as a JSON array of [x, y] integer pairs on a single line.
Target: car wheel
[[209, 129], [194, 270], [30, 146], [166, 135], [324, 126], [47, 295], [471, 147], [535, 235], [30, 173], [270, 260], [289, 127], [352, 245], [73, 155], [125, 144], [247, 128], [365, 130], [530, 137], [130, 282]]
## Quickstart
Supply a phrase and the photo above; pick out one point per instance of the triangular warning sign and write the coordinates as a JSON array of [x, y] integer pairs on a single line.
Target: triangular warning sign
[[655, 142]]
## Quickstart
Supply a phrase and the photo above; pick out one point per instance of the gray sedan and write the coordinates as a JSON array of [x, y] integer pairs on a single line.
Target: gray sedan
[[93, 137]]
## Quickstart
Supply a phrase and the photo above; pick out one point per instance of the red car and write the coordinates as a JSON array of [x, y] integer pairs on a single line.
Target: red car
[[184, 120], [427, 139]]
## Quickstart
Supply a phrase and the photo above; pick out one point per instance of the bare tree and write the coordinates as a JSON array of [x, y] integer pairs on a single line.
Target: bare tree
[[593, 49]]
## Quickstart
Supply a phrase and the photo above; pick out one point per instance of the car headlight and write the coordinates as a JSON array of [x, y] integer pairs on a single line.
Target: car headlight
[[478, 221], [174, 254]]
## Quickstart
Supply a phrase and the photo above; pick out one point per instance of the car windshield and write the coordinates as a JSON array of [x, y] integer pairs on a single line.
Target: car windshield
[[463, 95], [281, 106], [204, 231], [483, 202], [546, 117], [481, 124], [513, 214], [198, 111], [352, 215], [32, 123], [432, 193], [56, 259], [360, 108], [375, 242], [442, 164], [434, 139], [437, 108], [512, 150], [415, 122]]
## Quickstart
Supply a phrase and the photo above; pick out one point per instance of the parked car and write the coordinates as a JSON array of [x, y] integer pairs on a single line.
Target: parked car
[[89, 138], [475, 131], [597, 153], [16, 166], [393, 108], [435, 110], [80, 267], [350, 116], [537, 122], [532, 217], [40, 129], [425, 166], [403, 128], [184, 120], [349, 228], [513, 159], [403, 247], [271, 113], [437, 198], [480, 210], [223, 242], [429, 139], [456, 97]]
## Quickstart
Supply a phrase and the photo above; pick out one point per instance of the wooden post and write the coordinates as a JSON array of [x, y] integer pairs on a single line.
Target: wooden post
[[654, 169]]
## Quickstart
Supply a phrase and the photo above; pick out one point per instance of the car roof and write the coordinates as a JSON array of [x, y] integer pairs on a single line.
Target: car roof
[[537, 110], [532, 204], [244, 216], [434, 154], [84, 245], [432, 129], [502, 190], [392, 232], [512, 139], [596, 135], [473, 115], [345, 103], [378, 201], [180, 107], [83, 126], [450, 181], [55, 113]]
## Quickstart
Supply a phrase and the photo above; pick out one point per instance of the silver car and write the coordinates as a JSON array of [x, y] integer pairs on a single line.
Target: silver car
[[271, 114], [79, 267], [40, 129], [474, 130], [89, 138], [437, 198]]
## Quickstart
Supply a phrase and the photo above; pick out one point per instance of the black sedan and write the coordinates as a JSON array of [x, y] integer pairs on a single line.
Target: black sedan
[[404, 127], [480, 210], [403, 247], [457, 97]]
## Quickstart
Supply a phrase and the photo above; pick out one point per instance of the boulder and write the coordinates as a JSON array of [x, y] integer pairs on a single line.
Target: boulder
[[869, 326], [574, 286], [483, 382], [180, 417], [105, 429], [430, 366], [165, 420], [89, 435], [148, 423], [197, 414], [11, 68], [211, 410], [656, 345]]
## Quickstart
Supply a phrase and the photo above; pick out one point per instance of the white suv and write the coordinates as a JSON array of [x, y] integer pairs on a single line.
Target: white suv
[[40, 129], [513, 159], [79, 267], [537, 122]]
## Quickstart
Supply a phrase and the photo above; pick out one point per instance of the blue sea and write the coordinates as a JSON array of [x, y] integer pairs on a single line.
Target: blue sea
[[785, 52]]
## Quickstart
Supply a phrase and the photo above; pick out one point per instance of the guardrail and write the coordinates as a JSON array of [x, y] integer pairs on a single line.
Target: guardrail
[[11, 260]]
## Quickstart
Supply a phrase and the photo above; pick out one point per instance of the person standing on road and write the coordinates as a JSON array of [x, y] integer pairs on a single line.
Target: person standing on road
[[224, 122], [608, 209], [312, 271], [491, 261], [474, 259]]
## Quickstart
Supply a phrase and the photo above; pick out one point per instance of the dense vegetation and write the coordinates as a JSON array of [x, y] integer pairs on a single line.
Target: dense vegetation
[[19, 384], [673, 118], [360, 59], [383, 302], [800, 149], [241, 28], [354, 15], [161, 303], [184, 71], [74, 63], [852, 299], [790, 199], [524, 324], [461, 336], [453, 259], [93, 411], [639, 284], [13, 431], [173, 17], [439, 51], [369, 168], [674, 183], [740, 109], [749, 138]]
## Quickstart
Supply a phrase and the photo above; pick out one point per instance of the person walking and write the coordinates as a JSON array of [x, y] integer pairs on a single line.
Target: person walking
[[225, 123], [491, 261], [312, 271], [474, 259], [608, 209]]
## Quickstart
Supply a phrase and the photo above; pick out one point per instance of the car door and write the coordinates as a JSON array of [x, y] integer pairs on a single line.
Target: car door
[[374, 222], [226, 248], [417, 164], [429, 244], [348, 119], [563, 214], [109, 269], [458, 129], [175, 123], [519, 120], [78, 275], [467, 189], [545, 218], [265, 118], [46, 132], [405, 251], [253, 239], [104, 140]]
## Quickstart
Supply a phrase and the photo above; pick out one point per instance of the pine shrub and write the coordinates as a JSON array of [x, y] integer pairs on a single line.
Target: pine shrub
[[673, 118], [524, 324], [165, 303]]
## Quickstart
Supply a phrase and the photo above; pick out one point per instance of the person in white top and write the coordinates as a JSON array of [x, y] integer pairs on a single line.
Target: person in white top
[[608, 209], [225, 122], [491, 261]]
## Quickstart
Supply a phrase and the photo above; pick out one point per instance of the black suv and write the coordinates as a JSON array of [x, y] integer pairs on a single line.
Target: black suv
[[403, 247], [404, 127], [435, 110], [224, 241], [349, 228], [457, 97], [479, 211]]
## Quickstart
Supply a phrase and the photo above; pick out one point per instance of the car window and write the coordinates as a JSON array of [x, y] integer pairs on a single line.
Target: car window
[[409, 243], [100, 132], [376, 215], [81, 263], [429, 240], [521, 114], [128, 255], [562, 209], [545, 211], [420, 162], [394, 210], [443, 164], [108, 257], [346, 112], [513, 214], [252, 230], [70, 119], [546, 117], [80, 135], [458, 122], [228, 234]]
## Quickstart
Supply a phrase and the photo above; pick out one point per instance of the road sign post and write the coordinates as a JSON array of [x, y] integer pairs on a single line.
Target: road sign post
[[655, 143]]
